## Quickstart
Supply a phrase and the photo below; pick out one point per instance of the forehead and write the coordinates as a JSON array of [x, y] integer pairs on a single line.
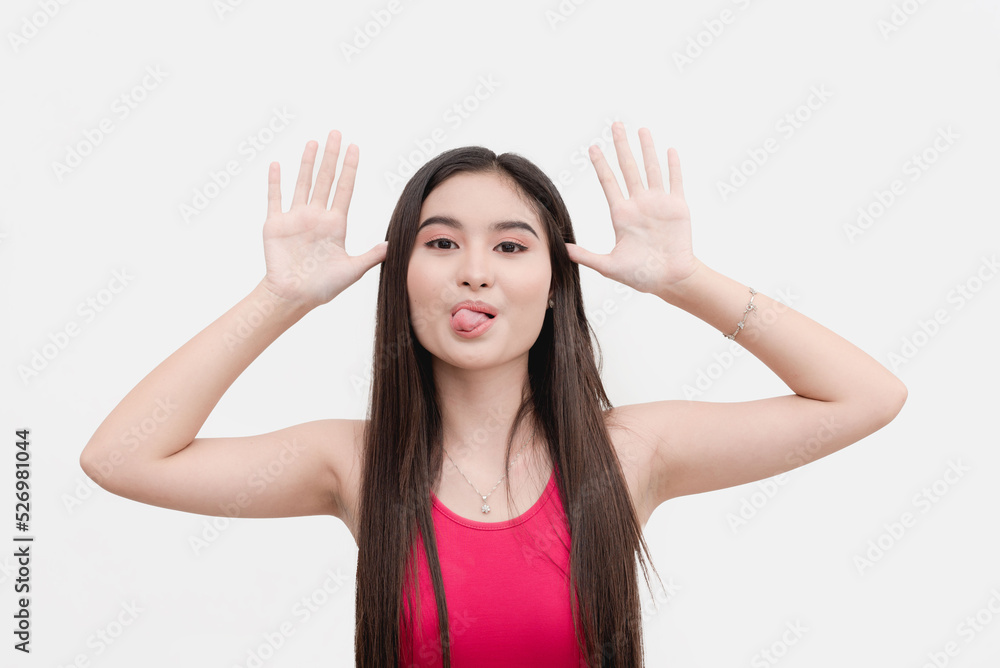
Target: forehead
[[479, 198]]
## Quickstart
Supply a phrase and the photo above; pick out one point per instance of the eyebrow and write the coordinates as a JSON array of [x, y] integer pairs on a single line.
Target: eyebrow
[[498, 226]]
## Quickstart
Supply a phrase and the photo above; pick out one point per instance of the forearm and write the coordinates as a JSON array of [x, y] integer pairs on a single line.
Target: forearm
[[812, 360], [165, 411]]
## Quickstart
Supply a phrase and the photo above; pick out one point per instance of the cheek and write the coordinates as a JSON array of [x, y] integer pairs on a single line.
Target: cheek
[[415, 298], [418, 314], [533, 284], [531, 295], [427, 300], [417, 285]]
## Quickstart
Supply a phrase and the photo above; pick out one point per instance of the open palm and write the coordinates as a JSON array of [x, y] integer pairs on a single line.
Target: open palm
[[304, 249], [652, 226]]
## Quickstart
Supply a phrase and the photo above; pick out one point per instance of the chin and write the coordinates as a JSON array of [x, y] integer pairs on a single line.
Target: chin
[[467, 362], [472, 360]]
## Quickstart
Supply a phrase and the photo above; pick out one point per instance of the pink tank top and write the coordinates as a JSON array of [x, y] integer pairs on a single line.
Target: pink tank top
[[507, 588]]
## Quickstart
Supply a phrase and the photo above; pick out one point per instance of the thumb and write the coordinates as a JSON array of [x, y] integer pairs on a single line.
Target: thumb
[[581, 255], [378, 252], [375, 255]]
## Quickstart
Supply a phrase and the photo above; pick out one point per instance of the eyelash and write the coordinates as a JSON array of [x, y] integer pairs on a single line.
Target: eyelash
[[430, 244]]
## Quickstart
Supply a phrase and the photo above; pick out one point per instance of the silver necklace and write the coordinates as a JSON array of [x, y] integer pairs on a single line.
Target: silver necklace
[[486, 507]]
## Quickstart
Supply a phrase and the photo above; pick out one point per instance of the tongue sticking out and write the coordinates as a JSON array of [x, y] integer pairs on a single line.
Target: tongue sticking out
[[465, 320]]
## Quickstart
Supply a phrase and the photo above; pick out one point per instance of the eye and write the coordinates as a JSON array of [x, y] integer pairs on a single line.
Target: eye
[[433, 242], [508, 247]]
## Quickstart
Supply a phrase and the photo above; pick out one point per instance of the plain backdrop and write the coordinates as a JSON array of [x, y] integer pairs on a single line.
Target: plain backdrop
[[858, 141]]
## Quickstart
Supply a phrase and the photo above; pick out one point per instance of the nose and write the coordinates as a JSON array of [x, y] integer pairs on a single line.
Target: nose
[[476, 269]]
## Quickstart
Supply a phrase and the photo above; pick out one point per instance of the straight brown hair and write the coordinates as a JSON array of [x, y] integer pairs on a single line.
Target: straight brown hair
[[566, 400]]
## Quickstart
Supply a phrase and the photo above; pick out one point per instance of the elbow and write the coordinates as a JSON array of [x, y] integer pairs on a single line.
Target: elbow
[[889, 401], [898, 394], [88, 464], [876, 407], [94, 464], [113, 469]]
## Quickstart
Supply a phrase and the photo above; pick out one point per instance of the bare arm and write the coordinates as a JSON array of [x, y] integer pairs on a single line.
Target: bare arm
[[841, 393], [147, 449]]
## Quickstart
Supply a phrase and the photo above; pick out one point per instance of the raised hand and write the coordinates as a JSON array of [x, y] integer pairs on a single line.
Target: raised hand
[[652, 250], [304, 247]]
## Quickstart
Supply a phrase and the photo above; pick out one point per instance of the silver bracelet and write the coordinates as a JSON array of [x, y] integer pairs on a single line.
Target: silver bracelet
[[751, 307]]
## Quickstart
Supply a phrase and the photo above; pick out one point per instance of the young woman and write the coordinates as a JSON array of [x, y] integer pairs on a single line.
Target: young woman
[[484, 379]]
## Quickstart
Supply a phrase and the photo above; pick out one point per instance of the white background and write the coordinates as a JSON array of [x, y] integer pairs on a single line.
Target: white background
[[560, 78]]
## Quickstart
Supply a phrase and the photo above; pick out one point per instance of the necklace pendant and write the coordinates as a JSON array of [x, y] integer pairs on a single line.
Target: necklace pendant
[[485, 509]]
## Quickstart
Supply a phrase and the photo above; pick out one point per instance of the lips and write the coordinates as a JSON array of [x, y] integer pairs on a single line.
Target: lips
[[469, 319], [478, 306]]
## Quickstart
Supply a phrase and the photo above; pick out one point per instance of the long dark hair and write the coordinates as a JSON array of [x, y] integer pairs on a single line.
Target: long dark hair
[[565, 397]]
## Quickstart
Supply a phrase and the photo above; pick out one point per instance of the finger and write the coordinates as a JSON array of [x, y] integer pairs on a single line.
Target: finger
[[581, 255], [653, 177], [305, 173], [273, 189], [375, 255], [625, 159], [345, 184], [327, 170], [609, 182], [362, 263], [674, 166]]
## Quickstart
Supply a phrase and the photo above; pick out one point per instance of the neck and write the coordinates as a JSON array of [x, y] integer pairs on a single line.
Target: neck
[[477, 413]]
